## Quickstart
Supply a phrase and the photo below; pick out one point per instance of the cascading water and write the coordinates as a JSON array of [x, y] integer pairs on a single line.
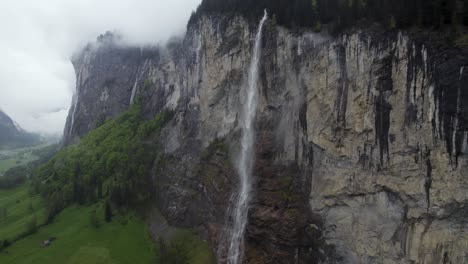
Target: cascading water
[[75, 103], [138, 77], [456, 121], [245, 161], [134, 91], [198, 53]]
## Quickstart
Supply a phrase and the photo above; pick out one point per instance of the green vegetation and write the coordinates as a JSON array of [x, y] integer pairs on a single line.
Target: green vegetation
[[287, 192], [337, 15], [111, 162], [20, 214], [14, 177], [81, 234], [94, 219], [77, 241], [185, 248], [22, 162], [7, 164], [15, 158], [214, 159], [148, 83], [87, 191], [218, 145]]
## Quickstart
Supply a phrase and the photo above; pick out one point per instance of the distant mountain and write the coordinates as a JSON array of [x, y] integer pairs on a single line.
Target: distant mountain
[[12, 135]]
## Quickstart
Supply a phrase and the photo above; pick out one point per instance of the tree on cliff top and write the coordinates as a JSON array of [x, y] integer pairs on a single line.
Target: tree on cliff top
[[340, 14]]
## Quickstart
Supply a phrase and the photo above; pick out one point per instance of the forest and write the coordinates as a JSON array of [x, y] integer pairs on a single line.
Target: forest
[[337, 15], [110, 163]]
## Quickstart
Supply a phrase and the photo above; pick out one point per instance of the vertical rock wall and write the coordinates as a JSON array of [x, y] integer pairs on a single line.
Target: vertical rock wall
[[361, 146]]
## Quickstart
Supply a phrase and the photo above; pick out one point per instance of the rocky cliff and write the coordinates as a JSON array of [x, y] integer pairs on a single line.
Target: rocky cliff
[[361, 139]]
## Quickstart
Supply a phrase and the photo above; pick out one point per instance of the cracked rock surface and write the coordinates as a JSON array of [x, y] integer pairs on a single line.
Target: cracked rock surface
[[361, 139]]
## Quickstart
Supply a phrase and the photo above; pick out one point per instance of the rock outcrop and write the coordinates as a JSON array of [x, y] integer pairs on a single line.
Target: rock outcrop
[[361, 145]]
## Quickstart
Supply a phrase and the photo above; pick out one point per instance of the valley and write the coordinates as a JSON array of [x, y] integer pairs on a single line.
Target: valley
[[263, 132]]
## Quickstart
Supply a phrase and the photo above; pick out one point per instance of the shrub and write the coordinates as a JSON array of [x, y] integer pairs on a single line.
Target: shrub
[[94, 220], [31, 226], [4, 244]]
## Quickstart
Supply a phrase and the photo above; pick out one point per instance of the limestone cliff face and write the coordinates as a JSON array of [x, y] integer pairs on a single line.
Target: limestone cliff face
[[361, 145], [106, 74]]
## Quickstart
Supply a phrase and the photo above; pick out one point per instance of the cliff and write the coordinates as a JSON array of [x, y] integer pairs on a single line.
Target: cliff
[[361, 139]]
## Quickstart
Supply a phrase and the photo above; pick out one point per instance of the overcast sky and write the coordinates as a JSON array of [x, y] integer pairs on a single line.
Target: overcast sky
[[38, 37]]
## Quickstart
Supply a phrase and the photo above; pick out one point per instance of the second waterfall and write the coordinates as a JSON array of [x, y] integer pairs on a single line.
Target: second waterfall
[[245, 162]]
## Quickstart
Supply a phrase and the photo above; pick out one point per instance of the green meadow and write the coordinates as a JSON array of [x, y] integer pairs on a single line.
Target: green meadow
[[17, 210], [107, 171], [82, 238], [124, 240], [17, 157]]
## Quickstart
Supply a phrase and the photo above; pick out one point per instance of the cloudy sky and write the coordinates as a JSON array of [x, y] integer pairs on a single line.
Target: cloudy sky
[[37, 39]]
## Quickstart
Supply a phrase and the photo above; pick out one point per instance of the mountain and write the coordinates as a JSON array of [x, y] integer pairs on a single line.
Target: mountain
[[360, 142], [12, 135]]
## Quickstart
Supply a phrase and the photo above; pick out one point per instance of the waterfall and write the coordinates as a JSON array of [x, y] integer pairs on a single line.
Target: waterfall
[[199, 58], [199, 47], [134, 91], [75, 102], [456, 121], [245, 162], [139, 76], [299, 46]]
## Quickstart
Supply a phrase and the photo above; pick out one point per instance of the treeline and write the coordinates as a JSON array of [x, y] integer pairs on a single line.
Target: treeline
[[14, 177], [20, 174], [111, 163], [337, 15]]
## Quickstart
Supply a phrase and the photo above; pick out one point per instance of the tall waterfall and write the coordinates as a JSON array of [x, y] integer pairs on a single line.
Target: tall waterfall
[[74, 105], [139, 76], [75, 102], [134, 91], [245, 162]]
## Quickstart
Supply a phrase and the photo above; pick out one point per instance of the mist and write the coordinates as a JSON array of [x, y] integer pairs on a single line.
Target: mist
[[38, 38]]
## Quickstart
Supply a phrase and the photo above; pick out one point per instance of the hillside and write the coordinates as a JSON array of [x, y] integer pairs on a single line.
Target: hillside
[[94, 219], [77, 239], [12, 135]]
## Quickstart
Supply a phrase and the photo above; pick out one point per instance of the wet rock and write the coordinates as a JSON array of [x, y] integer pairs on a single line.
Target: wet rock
[[361, 144]]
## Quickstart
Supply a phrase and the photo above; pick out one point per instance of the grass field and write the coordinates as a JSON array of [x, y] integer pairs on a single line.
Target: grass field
[[17, 209], [7, 164], [122, 241], [16, 157]]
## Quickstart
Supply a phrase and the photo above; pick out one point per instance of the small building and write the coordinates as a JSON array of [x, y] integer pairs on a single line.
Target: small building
[[45, 243]]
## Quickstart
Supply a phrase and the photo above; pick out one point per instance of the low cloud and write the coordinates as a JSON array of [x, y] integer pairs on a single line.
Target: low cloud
[[37, 80]]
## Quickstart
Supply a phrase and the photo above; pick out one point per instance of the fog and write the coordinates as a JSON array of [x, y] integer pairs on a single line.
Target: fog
[[38, 38]]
